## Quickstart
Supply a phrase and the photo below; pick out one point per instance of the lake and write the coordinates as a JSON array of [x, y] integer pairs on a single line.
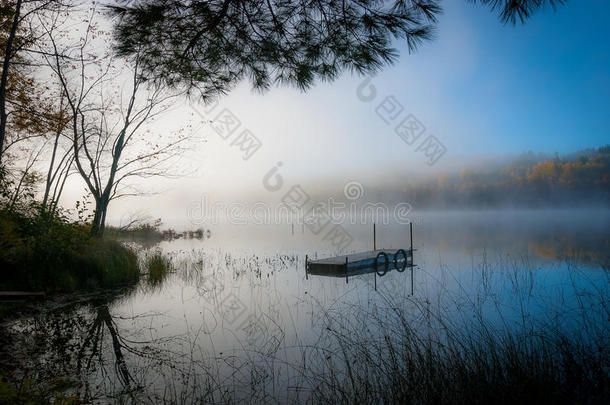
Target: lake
[[238, 320]]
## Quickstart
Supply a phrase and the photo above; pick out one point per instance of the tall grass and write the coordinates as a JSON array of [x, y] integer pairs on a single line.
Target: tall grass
[[407, 362], [509, 336], [157, 267], [103, 263], [503, 341]]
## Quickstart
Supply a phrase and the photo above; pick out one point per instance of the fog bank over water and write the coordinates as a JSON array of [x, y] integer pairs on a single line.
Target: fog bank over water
[[524, 181]]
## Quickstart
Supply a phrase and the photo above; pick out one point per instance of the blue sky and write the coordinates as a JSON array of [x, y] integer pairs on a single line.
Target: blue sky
[[544, 85]]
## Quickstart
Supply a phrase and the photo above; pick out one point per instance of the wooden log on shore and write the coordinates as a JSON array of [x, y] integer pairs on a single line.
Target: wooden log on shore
[[16, 296]]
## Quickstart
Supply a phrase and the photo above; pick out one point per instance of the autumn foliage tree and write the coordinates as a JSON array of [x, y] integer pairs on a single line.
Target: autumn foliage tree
[[583, 178], [32, 119], [22, 110]]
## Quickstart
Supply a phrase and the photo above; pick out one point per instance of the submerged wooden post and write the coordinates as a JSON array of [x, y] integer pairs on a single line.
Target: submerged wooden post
[[346, 276], [411, 239], [375, 273], [374, 237], [306, 273]]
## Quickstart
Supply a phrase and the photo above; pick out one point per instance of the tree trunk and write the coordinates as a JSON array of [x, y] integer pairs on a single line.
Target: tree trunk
[[99, 222], [50, 174], [47, 188], [99, 218], [4, 80]]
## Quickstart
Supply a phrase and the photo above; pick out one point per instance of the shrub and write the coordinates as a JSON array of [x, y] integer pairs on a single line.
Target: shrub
[[45, 251]]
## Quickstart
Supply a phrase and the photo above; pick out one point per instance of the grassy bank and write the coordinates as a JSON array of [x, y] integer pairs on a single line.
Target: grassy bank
[[47, 252], [145, 233]]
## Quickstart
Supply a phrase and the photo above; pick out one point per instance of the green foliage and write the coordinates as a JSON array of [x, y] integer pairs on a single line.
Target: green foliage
[[103, 263], [212, 45], [26, 393], [42, 249], [511, 11]]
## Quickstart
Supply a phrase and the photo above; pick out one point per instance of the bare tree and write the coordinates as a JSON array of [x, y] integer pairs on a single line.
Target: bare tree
[[28, 164], [110, 104], [31, 119]]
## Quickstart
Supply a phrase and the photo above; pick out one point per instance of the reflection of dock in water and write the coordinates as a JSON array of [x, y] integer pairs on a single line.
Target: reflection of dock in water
[[377, 261]]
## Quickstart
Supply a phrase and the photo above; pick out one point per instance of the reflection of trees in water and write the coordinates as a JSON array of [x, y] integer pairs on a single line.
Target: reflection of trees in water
[[94, 344], [85, 344], [115, 357], [587, 249], [557, 238], [123, 358]]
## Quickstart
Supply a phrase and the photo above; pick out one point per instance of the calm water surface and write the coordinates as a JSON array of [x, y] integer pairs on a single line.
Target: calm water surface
[[235, 318]]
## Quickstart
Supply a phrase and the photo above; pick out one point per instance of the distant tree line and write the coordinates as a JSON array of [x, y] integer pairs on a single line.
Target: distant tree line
[[582, 178]]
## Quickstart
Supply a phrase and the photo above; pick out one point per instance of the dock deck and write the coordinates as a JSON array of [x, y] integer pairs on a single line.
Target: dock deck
[[380, 261], [376, 261]]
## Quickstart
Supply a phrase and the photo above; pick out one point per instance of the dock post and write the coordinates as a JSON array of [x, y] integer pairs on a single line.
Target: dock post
[[412, 259], [375, 280], [306, 273], [374, 237], [346, 274], [411, 239]]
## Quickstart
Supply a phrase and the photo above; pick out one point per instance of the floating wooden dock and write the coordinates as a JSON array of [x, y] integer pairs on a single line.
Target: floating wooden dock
[[378, 261]]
